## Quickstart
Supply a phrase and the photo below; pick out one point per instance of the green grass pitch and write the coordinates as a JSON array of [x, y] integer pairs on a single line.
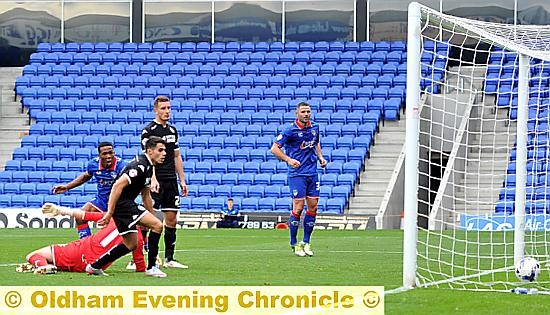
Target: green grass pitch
[[263, 257]]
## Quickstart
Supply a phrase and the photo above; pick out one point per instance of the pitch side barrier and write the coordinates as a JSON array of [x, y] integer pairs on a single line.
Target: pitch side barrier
[[33, 218]]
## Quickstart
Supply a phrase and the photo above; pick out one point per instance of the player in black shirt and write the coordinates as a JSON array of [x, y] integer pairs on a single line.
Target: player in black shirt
[[134, 179], [164, 183]]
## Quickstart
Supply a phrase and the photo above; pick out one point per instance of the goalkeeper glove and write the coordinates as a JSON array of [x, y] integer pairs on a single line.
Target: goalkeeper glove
[[52, 210]]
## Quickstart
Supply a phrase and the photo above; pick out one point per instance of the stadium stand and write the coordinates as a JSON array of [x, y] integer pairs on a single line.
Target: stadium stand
[[502, 81], [228, 101]]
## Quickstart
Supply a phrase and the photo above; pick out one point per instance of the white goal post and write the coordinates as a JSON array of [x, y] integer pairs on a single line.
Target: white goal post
[[477, 190]]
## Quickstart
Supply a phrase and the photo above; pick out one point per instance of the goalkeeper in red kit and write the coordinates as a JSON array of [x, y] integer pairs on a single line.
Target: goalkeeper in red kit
[[74, 256]]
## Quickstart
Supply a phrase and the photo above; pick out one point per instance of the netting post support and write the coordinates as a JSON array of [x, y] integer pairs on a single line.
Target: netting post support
[[521, 158]]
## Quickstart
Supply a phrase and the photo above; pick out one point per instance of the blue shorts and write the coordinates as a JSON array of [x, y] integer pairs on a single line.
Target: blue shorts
[[304, 186], [99, 204]]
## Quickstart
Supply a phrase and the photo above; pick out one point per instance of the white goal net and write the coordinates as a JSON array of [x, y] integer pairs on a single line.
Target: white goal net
[[477, 190]]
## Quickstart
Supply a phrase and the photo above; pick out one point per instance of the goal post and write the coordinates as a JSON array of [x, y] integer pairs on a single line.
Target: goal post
[[477, 190], [412, 109]]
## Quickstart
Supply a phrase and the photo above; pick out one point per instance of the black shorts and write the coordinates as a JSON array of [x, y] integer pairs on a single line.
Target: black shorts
[[127, 217], [168, 197]]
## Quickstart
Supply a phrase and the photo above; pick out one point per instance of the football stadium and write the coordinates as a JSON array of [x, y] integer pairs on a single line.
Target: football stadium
[[297, 147]]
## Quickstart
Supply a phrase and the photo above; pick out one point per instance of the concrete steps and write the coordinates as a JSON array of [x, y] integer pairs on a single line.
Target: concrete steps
[[487, 164], [14, 121], [378, 168]]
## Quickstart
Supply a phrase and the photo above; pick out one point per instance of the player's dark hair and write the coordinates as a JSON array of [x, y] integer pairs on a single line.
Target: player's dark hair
[[103, 144], [153, 141], [301, 104], [160, 99]]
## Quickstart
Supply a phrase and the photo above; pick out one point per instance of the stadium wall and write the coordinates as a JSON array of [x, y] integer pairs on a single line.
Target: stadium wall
[[24, 24]]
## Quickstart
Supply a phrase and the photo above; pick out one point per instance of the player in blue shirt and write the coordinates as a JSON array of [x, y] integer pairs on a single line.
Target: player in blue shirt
[[104, 169], [303, 150]]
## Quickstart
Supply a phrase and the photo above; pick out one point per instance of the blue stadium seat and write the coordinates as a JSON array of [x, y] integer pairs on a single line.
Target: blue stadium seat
[[357, 154], [216, 204], [30, 141], [207, 190], [19, 201], [223, 191], [329, 179], [239, 191], [194, 154], [236, 46], [267, 204], [13, 165], [346, 179], [77, 166], [230, 179], [256, 191], [36, 153], [35, 201], [282, 167], [504, 206], [225, 155], [203, 167], [261, 46], [241, 155], [188, 166], [257, 57], [252, 167], [20, 176], [232, 142], [246, 179], [283, 204], [84, 153], [27, 165], [44, 188], [247, 204], [67, 154], [336, 205], [195, 179], [199, 204], [322, 205], [217, 141], [20, 153], [273, 191], [325, 192], [11, 188], [341, 191], [279, 179], [51, 177], [188, 47], [219, 167], [258, 154]]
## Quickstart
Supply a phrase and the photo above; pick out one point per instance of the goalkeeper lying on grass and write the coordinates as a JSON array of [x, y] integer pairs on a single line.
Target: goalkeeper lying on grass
[[74, 256]]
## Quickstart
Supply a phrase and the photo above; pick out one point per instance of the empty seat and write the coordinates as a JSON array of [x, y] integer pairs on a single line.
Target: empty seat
[[279, 179], [335, 205], [223, 191], [239, 191], [283, 204]]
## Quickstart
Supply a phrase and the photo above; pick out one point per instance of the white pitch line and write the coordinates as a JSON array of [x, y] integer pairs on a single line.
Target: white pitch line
[[281, 250], [9, 265], [260, 250]]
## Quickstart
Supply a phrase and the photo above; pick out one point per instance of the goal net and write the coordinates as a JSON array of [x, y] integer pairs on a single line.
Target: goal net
[[477, 190]]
